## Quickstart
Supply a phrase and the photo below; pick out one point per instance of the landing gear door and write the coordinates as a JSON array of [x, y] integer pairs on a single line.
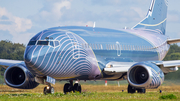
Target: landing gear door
[[118, 48], [50, 80], [75, 45]]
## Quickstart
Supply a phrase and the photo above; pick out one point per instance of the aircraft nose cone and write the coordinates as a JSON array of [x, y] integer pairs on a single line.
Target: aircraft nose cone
[[28, 56]]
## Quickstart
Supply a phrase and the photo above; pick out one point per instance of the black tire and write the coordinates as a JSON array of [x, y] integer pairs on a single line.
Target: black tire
[[51, 90], [67, 88], [131, 89], [77, 87], [141, 90], [48, 91], [45, 91]]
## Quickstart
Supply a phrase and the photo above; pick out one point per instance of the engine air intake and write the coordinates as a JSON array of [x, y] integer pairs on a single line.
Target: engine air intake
[[138, 75]]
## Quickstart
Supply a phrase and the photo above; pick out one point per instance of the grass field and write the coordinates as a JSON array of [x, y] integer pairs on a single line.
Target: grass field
[[89, 93]]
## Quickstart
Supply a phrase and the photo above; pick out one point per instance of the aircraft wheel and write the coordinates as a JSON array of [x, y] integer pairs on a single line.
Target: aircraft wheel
[[77, 87], [52, 90], [67, 88], [45, 91], [48, 90], [141, 90], [131, 89]]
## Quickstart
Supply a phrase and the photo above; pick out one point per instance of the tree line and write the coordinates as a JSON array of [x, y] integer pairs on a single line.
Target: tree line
[[9, 50], [173, 54]]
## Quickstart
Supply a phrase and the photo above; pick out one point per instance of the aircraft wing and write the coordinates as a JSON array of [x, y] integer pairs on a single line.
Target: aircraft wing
[[122, 67], [172, 41], [6, 63], [168, 66]]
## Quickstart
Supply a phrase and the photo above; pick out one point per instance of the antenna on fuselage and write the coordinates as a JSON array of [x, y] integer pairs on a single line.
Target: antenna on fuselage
[[125, 27], [49, 38]]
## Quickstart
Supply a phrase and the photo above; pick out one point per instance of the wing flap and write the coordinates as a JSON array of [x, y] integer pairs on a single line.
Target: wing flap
[[122, 67], [168, 66]]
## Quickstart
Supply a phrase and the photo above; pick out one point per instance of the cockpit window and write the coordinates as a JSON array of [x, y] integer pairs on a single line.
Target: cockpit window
[[42, 42], [56, 43], [52, 43], [31, 43]]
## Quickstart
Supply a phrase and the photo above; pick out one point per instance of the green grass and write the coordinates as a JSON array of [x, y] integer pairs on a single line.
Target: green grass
[[90, 96], [90, 93], [169, 96]]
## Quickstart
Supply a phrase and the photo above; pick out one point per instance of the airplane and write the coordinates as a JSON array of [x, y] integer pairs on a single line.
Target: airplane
[[73, 53]]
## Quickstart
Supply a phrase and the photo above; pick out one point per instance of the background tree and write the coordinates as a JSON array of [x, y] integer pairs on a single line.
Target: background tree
[[9, 50], [173, 54]]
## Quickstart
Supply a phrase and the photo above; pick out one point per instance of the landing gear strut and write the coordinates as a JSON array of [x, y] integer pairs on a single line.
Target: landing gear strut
[[141, 90], [48, 89], [68, 87], [133, 89]]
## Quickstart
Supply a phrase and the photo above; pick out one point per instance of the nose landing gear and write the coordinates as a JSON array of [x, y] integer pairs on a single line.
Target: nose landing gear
[[48, 89], [68, 87]]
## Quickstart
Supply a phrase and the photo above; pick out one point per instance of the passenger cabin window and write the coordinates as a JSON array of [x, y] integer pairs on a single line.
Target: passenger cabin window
[[93, 46], [82, 46], [101, 46], [90, 46], [87, 46]]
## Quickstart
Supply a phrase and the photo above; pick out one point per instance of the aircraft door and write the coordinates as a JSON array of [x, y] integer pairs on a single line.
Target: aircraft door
[[75, 45], [118, 48]]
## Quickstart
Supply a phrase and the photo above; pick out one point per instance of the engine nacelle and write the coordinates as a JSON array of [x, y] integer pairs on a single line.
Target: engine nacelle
[[18, 76], [145, 75]]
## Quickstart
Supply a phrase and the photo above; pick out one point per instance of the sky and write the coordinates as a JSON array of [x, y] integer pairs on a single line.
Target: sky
[[20, 20]]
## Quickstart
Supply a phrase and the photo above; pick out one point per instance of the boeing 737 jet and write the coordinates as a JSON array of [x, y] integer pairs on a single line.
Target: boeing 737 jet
[[90, 53]]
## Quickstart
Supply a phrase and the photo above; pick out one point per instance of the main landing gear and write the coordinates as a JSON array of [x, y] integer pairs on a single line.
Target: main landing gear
[[68, 87], [48, 89], [133, 89]]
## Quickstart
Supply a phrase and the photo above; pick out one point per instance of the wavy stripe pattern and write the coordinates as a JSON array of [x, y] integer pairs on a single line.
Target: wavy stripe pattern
[[156, 79], [68, 59]]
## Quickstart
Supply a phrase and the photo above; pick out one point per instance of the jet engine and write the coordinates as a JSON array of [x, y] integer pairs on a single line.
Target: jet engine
[[18, 76], [145, 75]]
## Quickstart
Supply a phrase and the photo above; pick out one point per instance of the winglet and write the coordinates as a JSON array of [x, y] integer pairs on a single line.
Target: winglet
[[172, 41]]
